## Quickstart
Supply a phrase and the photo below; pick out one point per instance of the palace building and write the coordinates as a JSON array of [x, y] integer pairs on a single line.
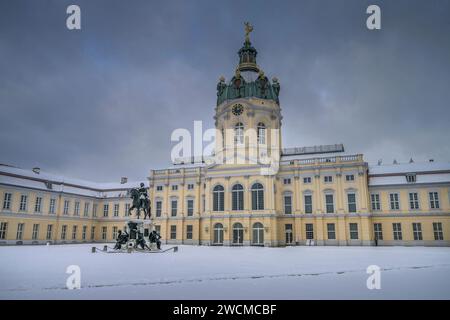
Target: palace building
[[252, 191]]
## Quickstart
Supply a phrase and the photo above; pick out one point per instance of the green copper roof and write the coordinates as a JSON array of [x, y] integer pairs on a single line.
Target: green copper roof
[[244, 87]]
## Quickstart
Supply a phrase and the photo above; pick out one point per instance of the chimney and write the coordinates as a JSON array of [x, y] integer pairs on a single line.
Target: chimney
[[37, 170], [123, 180]]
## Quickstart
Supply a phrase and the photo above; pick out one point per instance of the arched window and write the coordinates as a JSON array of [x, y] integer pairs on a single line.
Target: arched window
[[261, 133], [238, 233], [239, 133], [218, 234], [258, 233], [237, 197], [218, 198], [257, 196]]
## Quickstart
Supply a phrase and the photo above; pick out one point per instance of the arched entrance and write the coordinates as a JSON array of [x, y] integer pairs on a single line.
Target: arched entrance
[[218, 234], [258, 234], [238, 234]]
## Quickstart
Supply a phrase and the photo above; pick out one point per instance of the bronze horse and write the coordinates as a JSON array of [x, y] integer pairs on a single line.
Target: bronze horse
[[139, 204]]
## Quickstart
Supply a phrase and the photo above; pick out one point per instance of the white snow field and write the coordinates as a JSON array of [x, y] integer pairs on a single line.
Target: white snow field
[[200, 272]]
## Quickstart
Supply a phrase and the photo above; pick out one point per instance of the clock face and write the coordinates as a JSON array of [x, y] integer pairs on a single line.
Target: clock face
[[238, 109]]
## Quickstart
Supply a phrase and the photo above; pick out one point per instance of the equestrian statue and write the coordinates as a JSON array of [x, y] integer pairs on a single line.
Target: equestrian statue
[[141, 201]]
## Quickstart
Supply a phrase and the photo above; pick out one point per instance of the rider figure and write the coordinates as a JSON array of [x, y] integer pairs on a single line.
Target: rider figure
[[143, 192]]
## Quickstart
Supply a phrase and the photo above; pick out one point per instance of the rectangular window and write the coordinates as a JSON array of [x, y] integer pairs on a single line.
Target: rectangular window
[[158, 229], [397, 229], [63, 232], [66, 207], [114, 232], [76, 209], [349, 177], [174, 187], [20, 228], [287, 181], [308, 204], [437, 229], [375, 200], [52, 206], [413, 200], [309, 231], [434, 200], [92, 233], [159, 188], [173, 232], [23, 203], [83, 233], [3, 230], [174, 205], [378, 231], [38, 204], [287, 204], [127, 208], [189, 229], [105, 210], [35, 234], [94, 210], [331, 229], [411, 178], [329, 202], [395, 204], [328, 179], [351, 199], [307, 180], [353, 231], [49, 234], [104, 233], [7, 201], [158, 208], [288, 233], [190, 207], [417, 231], [86, 209], [190, 186], [74, 232], [116, 210]]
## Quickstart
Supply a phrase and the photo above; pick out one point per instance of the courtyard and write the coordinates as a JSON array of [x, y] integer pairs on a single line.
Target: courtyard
[[201, 272]]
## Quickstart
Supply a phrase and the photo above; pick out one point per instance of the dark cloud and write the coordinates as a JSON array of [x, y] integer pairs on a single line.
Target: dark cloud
[[102, 102]]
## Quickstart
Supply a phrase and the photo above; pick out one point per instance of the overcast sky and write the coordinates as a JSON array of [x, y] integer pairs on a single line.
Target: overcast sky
[[102, 102]]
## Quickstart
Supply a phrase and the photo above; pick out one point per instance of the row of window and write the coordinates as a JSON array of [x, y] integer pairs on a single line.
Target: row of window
[[239, 133], [35, 235], [377, 227], [329, 203], [38, 206], [237, 197], [326, 179], [237, 230], [174, 187], [413, 201]]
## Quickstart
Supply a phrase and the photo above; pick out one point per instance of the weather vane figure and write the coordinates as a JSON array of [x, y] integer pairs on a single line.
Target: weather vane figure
[[248, 29]]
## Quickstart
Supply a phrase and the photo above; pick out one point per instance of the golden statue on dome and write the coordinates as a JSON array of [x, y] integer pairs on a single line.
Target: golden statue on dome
[[248, 29]]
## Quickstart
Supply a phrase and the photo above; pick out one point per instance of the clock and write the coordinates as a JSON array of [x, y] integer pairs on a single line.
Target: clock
[[238, 109]]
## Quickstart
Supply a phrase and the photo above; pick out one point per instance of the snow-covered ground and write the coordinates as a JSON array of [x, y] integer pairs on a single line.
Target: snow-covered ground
[[195, 272]]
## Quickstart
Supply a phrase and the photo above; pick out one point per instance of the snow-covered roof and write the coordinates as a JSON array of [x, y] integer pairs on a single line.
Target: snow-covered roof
[[413, 167], [395, 174], [28, 178]]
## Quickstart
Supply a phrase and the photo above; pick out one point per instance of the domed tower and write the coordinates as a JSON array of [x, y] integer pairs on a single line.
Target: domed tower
[[248, 115]]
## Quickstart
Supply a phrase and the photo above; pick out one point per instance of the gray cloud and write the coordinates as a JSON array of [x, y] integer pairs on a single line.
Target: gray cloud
[[102, 103]]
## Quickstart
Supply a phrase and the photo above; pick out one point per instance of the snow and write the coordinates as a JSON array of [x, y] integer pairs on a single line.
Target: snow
[[201, 272], [409, 167]]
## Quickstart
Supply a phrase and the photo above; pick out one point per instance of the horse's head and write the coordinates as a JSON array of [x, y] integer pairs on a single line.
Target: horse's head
[[134, 192]]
